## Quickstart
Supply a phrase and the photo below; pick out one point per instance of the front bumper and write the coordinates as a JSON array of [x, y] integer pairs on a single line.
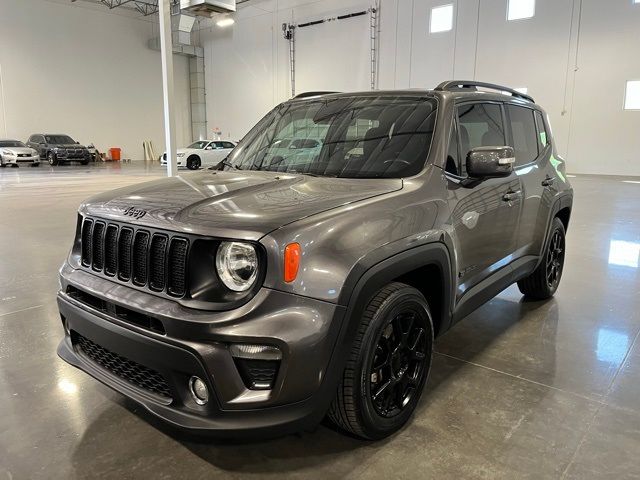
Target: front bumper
[[180, 163], [197, 343]]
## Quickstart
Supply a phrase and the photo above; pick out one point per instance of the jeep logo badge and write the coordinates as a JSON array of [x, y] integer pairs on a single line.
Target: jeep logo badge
[[135, 212]]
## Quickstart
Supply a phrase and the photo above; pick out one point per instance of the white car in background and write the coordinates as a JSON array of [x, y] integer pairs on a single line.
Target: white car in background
[[203, 153], [13, 152]]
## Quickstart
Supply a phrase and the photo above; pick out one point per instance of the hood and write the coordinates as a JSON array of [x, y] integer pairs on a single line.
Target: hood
[[19, 150], [244, 205]]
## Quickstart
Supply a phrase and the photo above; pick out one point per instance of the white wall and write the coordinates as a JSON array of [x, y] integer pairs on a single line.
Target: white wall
[[85, 71], [248, 70]]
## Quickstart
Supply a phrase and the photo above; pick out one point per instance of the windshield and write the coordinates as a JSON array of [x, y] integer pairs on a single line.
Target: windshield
[[11, 143], [59, 139], [348, 137], [198, 145]]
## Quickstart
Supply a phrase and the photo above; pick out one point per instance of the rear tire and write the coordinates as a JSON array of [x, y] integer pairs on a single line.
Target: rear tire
[[388, 365], [51, 158], [543, 282], [193, 162]]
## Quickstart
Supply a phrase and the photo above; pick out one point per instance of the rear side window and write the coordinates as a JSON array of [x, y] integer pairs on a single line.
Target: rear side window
[[543, 138], [524, 133], [227, 145], [480, 126]]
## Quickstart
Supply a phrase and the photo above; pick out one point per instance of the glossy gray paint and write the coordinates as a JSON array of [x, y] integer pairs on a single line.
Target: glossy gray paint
[[355, 235]]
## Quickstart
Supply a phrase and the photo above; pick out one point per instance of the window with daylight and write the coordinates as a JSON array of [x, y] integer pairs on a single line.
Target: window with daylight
[[520, 9], [441, 19], [632, 95]]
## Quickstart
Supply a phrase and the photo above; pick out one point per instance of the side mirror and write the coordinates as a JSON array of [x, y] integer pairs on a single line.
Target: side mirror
[[490, 162]]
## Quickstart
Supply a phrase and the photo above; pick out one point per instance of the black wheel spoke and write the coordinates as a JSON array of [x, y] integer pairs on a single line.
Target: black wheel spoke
[[399, 362], [385, 386]]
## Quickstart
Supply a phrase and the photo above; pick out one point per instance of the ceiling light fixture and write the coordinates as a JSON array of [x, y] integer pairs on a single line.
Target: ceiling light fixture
[[225, 22]]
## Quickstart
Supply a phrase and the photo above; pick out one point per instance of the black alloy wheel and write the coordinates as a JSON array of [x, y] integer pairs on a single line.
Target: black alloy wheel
[[555, 259], [399, 363], [388, 365], [543, 282], [193, 162], [51, 158]]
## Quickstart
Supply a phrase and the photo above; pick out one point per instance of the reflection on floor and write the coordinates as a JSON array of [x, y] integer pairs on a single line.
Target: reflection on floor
[[518, 389]]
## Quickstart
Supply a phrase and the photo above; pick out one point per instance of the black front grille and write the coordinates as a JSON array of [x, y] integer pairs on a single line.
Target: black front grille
[[157, 265], [140, 260], [134, 373], [98, 246], [111, 250], [23, 155], [177, 267], [156, 261]]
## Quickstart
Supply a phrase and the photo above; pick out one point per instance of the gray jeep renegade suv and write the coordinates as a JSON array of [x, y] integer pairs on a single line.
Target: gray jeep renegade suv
[[287, 285]]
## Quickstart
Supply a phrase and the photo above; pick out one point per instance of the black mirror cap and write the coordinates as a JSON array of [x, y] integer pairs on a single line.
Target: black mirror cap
[[490, 162]]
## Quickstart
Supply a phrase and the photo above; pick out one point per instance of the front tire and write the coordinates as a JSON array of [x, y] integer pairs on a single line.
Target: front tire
[[193, 162], [388, 365], [543, 282], [51, 158]]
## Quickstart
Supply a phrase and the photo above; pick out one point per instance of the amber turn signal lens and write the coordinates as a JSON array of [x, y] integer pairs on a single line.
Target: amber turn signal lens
[[292, 253]]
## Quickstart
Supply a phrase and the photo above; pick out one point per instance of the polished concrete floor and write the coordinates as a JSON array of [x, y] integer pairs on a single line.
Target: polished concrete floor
[[518, 389]]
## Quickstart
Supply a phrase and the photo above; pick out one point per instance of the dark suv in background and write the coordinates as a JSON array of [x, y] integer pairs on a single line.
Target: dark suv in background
[[57, 148], [269, 292]]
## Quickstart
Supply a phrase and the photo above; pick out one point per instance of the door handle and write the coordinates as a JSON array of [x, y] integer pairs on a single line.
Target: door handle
[[510, 196], [547, 182]]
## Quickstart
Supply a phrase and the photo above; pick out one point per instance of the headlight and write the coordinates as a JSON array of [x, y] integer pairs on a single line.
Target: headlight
[[237, 265], [7, 152], [180, 155]]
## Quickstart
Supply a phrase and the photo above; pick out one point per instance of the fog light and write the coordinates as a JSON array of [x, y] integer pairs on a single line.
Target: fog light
[[199, 390]]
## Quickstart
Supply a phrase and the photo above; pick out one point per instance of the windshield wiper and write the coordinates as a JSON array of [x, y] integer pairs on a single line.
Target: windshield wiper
[[227, 163]]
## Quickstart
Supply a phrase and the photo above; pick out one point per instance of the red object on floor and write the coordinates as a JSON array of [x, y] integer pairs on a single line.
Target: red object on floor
[[114, 153]]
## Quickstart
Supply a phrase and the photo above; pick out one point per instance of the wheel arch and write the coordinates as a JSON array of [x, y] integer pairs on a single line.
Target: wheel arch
[[426, 268]]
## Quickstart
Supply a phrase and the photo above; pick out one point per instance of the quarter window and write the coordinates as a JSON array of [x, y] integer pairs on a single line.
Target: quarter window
[[524, 134], [453, 158], [480, 126], [543, 137]]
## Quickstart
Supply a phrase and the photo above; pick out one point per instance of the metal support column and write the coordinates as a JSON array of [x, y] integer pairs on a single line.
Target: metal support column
[[373, 26], [289, 32], [166, 48]]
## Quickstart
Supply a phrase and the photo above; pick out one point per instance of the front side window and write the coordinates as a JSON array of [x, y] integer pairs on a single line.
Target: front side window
[[480, 126], [348, 137], [59, 139], [201, 145], [524, 134]]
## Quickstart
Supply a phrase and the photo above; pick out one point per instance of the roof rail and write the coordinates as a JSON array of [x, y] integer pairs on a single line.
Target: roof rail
[[451, 85], [313, 94]]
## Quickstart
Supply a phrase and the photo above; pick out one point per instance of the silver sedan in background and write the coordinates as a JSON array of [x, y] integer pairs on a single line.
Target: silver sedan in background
[[13, 152]]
